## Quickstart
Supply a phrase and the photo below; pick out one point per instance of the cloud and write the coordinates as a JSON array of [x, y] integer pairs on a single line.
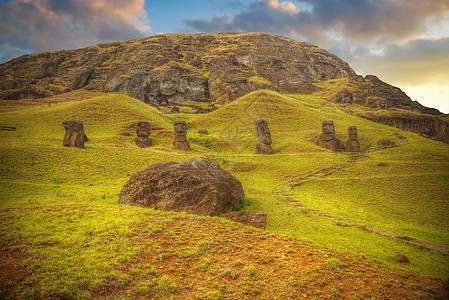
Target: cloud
[[416, 62], [389, 38], [355, 20], [44, 25]]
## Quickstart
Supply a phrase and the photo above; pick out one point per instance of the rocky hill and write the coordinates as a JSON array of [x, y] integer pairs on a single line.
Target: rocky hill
[[205, 71], [176, 68]]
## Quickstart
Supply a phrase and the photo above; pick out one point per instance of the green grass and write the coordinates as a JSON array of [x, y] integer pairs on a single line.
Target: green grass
[[59, 204]]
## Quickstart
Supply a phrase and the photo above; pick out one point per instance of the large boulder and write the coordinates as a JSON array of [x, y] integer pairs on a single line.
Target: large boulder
[[196, 186]]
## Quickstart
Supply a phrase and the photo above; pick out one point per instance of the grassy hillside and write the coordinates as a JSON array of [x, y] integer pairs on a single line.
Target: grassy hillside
[[63, 233]]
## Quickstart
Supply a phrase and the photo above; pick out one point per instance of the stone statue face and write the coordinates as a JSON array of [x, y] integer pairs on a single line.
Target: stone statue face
[[73, 125], [352, 133], [143, 128], [74, 134], [263, 132], [180, 131], [328, 130]]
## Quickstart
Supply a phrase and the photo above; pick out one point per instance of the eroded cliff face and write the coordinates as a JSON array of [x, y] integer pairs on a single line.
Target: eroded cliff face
[[372, 92], [426, 125], [173, 68]]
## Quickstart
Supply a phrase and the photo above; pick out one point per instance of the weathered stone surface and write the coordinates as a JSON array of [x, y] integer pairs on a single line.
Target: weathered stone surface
[[256, 219], [143, 130], [426, 125], [384, 142], [353, 144], [372, 92], [264, 135], [196, 186], [175, 68], [327, 138], [181, 141], [203, 131], [401, 258], [74, 134]]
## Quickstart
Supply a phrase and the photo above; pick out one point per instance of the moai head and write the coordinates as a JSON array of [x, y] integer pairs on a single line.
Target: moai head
[[263, 132], [328, 130], [73, 125], [352, 133], [180, 131], [143, 128], [74, 134], [353, 144]]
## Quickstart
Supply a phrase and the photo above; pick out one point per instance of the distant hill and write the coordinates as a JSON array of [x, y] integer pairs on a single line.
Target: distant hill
[[205, 71], [215, 68]]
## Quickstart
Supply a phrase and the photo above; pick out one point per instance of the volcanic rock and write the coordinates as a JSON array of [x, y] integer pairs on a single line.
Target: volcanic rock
[[196, 186], [372, 92], [384, 142], [401, 258], [426, 125], [175, 68]]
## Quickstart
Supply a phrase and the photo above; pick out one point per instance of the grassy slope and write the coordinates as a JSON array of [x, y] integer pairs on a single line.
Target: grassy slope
[[55, 200]]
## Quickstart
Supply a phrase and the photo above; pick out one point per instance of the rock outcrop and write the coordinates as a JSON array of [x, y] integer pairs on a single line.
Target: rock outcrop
[[426, 125], [165, 69], [372, 92], [196, 186]]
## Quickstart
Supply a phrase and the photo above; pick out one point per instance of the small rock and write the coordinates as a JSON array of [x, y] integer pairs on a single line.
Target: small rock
[[384, 142], [203, 131], [382, 164], [401, 258]]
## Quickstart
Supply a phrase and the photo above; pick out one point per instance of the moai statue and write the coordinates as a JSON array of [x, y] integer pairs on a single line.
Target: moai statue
[[181, 141], [328, 139], [143, 130], [353, 144], [264, 145], [74, 134]]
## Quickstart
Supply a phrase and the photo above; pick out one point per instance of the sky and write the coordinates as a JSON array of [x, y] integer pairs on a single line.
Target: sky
[[403, 42]]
